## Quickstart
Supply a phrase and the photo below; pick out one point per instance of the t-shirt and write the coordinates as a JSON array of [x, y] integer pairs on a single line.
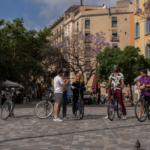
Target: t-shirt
[[145, 81], [116, 81], [58, 81]]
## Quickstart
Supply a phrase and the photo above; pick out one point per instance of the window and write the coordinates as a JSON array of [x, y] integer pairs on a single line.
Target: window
[[137, 26], [77, 12], [87, 50], [86, 34], [87, 23], [147, 51], [87, 64], [115, 45], [77, 26], [137, 4], [114, 34], [147, 26], [114, 21]]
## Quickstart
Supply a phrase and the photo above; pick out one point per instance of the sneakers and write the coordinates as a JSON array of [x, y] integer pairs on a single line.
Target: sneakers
[[124, 117], [73, 116], [106, 117], [57, 119]]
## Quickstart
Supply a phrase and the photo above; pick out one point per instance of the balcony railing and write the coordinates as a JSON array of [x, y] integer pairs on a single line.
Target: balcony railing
[[87, 68], [114, 38]]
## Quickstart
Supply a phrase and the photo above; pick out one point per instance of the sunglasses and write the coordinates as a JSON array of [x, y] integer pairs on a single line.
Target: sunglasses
[[115, 67]]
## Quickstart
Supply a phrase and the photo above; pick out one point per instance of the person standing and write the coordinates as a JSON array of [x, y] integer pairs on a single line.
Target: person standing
[[116, 79], [59, 84], [127, 96], [144, 82], [64, 105], [79, 83]]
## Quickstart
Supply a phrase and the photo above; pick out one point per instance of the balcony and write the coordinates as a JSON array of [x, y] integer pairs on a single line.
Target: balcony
[[59, 33], [114, 38], [62, 31]]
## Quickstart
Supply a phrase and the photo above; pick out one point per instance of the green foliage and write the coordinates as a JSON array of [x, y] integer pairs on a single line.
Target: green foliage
[[20, 51], [129, 61]]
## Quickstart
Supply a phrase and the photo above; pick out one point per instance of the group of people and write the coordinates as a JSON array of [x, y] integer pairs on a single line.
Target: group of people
[[60, 91], [116, 81]]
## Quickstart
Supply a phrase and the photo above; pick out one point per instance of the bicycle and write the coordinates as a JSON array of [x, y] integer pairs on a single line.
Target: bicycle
[[7, 108], [113, 106], [44, 109], [80, 104], [142, 111]]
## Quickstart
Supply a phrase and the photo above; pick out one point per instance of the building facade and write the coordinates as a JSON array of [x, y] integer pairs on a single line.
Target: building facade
[[117, 23], [142, 29]]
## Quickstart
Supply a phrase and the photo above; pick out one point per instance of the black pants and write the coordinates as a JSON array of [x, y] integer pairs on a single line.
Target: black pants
[[75, 100]]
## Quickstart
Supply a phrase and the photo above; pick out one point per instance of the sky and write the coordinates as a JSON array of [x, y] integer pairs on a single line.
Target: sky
[[40, 13]]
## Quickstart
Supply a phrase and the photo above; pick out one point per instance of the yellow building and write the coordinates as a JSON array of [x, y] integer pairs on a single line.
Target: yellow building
[[142, 29]]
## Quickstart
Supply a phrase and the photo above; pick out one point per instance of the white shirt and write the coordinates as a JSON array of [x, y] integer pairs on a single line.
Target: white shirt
[[58, 81], [116, 81]]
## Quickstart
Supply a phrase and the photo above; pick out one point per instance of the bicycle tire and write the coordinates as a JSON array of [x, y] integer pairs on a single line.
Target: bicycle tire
[[46, 104], [81, 110], [119, 112], [137, 114], [111, 110], [8, 108]]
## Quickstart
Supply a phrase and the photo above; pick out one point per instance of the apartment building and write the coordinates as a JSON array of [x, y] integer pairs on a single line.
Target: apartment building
[[142, 29], [117, 23]]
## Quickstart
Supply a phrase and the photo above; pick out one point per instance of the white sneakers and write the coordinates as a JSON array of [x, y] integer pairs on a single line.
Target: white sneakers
[[124, 117], [57, 119]]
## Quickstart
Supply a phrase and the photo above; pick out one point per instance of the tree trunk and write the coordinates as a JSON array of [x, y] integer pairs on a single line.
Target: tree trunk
[[132, 104]]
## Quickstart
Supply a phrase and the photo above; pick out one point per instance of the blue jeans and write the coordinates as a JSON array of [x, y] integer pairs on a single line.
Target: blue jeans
[[64, 105]]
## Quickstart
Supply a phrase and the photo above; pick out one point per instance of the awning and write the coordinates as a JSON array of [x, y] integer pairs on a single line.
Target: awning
[[10, 84], [95, 85]]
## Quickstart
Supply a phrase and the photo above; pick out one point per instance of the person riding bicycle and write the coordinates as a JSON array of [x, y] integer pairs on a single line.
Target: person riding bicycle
[[79, 83], [116, 79], [144, 82]]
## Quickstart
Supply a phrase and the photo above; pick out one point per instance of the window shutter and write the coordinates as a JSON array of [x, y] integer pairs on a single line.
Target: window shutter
[[138, 29], [114, 18], [135, 30], [146, 26], [146, 51]]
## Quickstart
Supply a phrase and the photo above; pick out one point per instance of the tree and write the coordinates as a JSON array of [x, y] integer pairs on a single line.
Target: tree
[[144, 14], [20, 51], [129, 61], [79, 52]]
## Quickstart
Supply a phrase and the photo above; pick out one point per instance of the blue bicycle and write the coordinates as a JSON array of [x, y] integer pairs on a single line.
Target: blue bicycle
[[80, 105], [113, 106]]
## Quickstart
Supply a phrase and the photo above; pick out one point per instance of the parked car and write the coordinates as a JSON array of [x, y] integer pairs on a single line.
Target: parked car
[[87, 97]]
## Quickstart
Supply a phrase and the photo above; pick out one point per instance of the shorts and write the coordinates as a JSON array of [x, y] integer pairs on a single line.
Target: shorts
[[59, 98]]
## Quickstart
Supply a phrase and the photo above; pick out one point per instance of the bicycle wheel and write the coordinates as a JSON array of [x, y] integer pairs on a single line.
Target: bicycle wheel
[[81, 110], [6, 110], [43, 109], [141, 111], [111, 110], [119, 112]]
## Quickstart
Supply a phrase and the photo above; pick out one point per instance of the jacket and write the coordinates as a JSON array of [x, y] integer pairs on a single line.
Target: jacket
[[76, 91]]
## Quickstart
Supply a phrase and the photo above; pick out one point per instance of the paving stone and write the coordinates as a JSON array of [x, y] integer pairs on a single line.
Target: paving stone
[[93, 132]]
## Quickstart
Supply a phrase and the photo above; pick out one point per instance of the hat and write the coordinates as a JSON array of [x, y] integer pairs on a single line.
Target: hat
[[64, 69]]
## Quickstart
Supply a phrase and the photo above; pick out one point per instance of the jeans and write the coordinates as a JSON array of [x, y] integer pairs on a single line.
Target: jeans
[[64, 105]]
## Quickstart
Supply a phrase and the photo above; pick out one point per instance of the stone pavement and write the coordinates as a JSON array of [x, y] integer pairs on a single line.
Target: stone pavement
[[94, 132]]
